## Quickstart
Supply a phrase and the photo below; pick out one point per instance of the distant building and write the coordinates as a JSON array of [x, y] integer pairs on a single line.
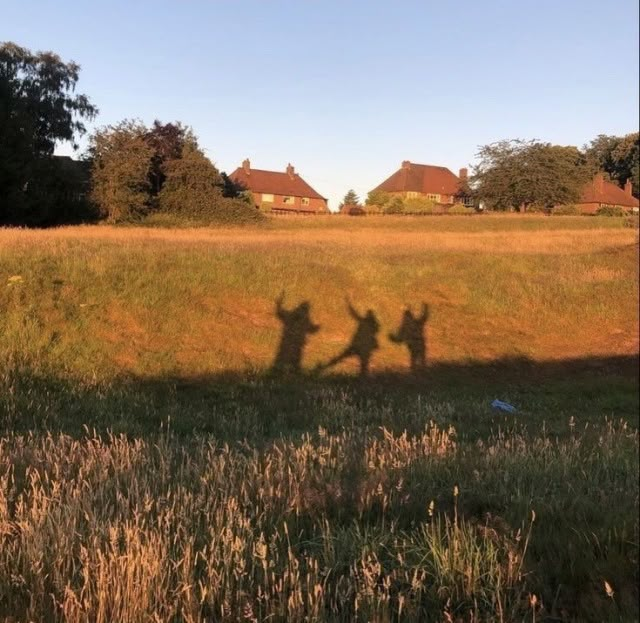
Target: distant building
[[281, 192], [426, 181], [599, 193]]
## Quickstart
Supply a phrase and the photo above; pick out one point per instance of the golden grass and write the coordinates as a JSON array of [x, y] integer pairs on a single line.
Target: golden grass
[[199, 301], [566, 241]]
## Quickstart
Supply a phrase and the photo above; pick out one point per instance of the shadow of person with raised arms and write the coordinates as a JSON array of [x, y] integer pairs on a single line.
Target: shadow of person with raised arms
[[296, 326], [411, 333], [363, 342]]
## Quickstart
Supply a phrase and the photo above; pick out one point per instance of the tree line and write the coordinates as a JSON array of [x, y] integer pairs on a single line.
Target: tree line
[[131, 171]]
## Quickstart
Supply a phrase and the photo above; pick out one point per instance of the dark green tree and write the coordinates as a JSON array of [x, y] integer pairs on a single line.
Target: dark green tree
[[121, 171], [167, 141], [138, 171], [351, 198], [38, 109], [619, 156], [194, 189], [522, 175]]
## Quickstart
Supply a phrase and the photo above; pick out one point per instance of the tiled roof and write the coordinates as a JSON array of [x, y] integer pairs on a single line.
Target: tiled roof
[[601, 191], [422, 178], [274, 182]]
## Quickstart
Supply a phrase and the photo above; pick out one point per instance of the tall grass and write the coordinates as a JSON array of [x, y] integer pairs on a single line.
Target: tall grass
[[348, 527]]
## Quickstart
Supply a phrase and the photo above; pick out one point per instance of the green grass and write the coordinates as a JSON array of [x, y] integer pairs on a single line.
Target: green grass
[[150, 465]]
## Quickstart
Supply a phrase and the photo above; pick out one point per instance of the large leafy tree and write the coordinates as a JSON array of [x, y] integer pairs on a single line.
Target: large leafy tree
[[38, 109], [138, 171], [619, 156], [122, 161], [521, 175], [167, 141]]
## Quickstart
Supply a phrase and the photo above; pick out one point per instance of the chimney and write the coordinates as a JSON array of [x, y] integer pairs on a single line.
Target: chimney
[[463, 173], [290, 171], [598, 183], [628, 187], [246, 166], [406, 164]]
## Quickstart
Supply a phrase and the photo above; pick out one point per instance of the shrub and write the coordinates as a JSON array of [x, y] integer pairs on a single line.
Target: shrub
[[610, 211], [373, 209], [377, 198], [354, 210], [192, 189], [420, 205], [395, 206], [459, 208], [632, 221], [565, 210], [138, 172]]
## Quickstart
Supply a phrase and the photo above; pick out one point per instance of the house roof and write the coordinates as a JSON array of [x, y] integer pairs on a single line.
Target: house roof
[[601, 191], [422, 178], [274, 182]]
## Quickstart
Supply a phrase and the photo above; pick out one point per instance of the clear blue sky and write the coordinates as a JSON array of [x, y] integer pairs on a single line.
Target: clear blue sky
[[346, 90]]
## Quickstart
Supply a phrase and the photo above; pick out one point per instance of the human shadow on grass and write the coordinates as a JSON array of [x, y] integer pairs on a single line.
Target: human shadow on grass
[[411, 333], [363, 342], [296, 327]]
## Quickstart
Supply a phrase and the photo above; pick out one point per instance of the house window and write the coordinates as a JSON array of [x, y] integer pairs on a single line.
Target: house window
[[305, 201], [432, 197], [288, 200], [412, 194], [267, 198]]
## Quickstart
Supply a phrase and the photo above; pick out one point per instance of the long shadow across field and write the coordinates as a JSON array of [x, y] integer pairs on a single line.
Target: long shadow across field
[[238, 405]]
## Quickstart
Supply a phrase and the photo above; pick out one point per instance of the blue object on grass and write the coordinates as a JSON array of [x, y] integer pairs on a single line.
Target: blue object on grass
[[503, 406]]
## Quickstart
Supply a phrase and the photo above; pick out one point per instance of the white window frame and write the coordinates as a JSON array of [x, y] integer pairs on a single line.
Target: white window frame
[[288, 200], [305, 201], [267, 198]]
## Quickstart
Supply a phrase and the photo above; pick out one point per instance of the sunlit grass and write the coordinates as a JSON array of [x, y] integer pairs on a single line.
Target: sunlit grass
[[152, 470]]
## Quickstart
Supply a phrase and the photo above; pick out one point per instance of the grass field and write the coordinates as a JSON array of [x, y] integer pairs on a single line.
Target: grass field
[[154, 467]]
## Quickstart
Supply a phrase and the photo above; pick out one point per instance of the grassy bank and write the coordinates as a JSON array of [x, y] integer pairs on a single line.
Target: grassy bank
[[153, 465]]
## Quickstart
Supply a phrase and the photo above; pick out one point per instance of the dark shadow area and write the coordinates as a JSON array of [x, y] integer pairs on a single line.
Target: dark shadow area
[[363, 342], [296, 326], [259, 406], [411, 333]]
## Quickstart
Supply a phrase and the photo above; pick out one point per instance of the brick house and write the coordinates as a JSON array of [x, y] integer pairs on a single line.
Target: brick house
[[599, 193], [438, 184], [280, 192]]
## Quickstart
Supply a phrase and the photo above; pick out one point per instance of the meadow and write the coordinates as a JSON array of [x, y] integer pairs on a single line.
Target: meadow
[[154, 466]]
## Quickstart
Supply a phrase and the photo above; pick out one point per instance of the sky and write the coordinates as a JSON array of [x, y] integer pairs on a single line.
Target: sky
[[346, 90]]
